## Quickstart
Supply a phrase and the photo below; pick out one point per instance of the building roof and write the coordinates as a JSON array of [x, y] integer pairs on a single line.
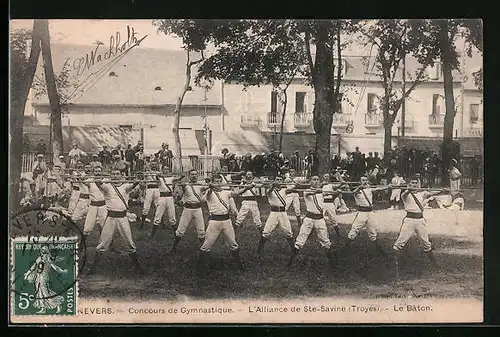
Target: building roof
[[138, 73]]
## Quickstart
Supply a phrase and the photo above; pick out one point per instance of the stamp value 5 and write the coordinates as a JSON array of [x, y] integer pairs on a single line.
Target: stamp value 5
[[44, 275]]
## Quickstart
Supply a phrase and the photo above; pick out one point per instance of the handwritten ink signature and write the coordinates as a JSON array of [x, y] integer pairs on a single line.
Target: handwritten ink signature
[[114, 49]]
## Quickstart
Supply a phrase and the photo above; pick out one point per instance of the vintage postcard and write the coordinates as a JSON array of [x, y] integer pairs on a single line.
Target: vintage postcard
[[246, 171]]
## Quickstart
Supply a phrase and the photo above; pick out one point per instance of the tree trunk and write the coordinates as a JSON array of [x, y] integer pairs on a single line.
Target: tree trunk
[[449, 118], [324, 104], [387, 135], [177, 111], [282, 126], [18, 103], [54, 100]]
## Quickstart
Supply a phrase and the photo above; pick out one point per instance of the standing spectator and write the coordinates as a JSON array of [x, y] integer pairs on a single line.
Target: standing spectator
[[455, 176], [295, 161], [62, 164], [335, 162], [105, 157], [138, 146], [258, 163], [435, 167], [129, 157], [120, 164], [75, 155], [165, 156], [370, 163], [377, 160], [41, 147], [223, 160], [139, 160], [312, 163], [118, 150], [232, 163], [428, 172], [39, 168], [246, 163]]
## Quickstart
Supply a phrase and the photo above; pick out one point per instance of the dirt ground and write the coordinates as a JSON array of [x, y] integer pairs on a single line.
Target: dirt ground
[[457, 238]]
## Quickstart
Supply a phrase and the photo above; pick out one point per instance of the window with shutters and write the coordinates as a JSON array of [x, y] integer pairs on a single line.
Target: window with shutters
[[436, 106], [372, 107], [300, 98], [474, 113], [274, 101]]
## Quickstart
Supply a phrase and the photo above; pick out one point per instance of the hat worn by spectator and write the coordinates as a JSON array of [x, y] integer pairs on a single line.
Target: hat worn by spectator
[[39, 155], [61, 156], [116, 156], [95, 155], [454, 161]]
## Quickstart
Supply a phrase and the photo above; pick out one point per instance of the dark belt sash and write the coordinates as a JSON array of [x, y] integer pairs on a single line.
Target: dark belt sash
[[51, 180], [76, 188], [152, 186], [364, 209], [414, 215], [251, 198], [219, 217], [277, 209], [193, 205], [117, 214], [98, 203], [314, 216], [328, 201], [84, 196], [165, 194]]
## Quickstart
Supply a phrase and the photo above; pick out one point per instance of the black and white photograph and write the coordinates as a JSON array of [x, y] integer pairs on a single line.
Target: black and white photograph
[[246, 171]]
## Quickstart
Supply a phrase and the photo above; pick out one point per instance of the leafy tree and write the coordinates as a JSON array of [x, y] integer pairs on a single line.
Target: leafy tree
[[22, 71], [194, 41], [394, 41], [255, 52]]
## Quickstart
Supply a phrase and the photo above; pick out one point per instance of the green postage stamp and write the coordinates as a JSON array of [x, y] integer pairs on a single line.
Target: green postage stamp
[[44, 275]]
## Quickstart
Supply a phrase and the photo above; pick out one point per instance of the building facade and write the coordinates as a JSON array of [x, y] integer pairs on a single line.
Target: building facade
[[140, 91]]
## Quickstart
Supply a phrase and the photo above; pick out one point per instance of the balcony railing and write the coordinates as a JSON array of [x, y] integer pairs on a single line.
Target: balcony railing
[[436, 120], [474, 132], [340, 119], [273, 118], [374, 120], [302, 120], [249, 121]]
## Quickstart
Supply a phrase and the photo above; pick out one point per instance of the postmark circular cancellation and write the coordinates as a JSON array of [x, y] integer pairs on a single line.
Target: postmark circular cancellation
[[47, 253]]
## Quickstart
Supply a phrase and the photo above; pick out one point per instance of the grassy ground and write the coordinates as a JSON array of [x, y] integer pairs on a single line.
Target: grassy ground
[[363, 273]]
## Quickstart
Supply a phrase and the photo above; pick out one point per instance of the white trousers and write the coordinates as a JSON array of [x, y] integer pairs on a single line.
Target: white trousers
[[95, 213], [110, 226], [363, 220], [330, 212], [321, 231], [395, 195], [216, 228], [412, 227], [277, 219], [152, 195], [252, 207], [73, 199], [293, 199], [165, 204], [186, 217], [81, 209]]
